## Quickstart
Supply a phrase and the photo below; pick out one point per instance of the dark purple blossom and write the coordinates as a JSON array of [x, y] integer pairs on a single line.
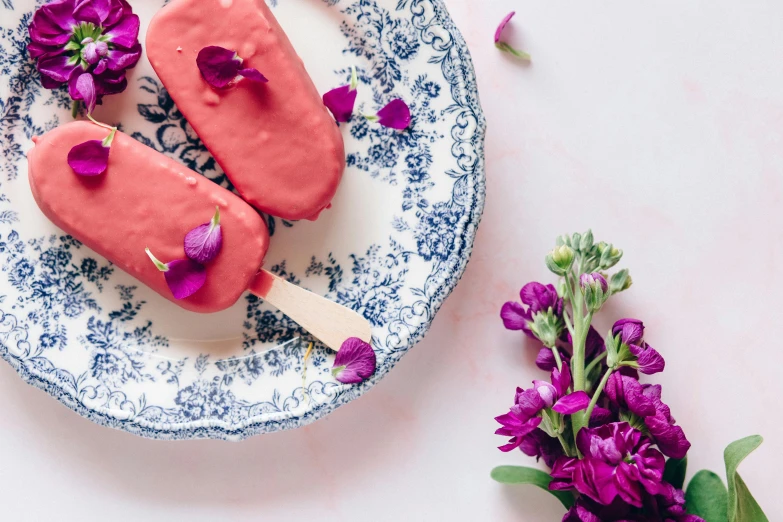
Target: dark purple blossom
[[355, 361], [71, 38], [626, 392], [630, 332], [540, 445], [538, 298], [220, 67], [618, 461], [669, 438]]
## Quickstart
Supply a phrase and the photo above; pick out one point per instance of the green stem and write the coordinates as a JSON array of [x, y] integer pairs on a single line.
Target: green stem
[[594, 362], [75, 108], [565, 445], [96, 122], [596, 395], [558, 361]]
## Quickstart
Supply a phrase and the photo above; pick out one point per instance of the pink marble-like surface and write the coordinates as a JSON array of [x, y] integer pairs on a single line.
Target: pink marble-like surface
[[658, 124]]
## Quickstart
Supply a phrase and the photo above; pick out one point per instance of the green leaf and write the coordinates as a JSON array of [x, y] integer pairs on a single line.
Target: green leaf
[[536, 477], [742, 507], [707, 497], [674, 472]]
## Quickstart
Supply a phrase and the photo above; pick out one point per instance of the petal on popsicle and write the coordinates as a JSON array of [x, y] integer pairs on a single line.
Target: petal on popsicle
[[396, 115], [203, 243], [355, 362], [185, 277], [218, 65], [89, 158], [253, 75]]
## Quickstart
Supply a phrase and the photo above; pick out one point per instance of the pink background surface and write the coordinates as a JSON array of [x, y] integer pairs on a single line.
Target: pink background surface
[[660, 125]]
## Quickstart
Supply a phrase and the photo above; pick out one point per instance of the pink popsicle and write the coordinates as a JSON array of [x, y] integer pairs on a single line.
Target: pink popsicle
[[145, 199], [276, 141]]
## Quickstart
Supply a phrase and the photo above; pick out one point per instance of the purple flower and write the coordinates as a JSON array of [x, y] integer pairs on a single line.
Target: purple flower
[[630, 333], [85, 91], [670, 505], [184, 277], [540, 445], [91, 158], [220, 67], [341, 101], [71, 38], [503, 46], [538, 298], [355, 361], [563, 473], [669, 438], [627, 392], [396, 115], [203, 243], [517, 425], [618, 461]]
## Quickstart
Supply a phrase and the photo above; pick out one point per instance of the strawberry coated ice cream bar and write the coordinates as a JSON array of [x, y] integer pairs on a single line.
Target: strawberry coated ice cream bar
[[142, 200], [234, 75]]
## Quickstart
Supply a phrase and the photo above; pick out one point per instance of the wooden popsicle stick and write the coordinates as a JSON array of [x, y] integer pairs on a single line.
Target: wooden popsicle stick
[[330, 322]]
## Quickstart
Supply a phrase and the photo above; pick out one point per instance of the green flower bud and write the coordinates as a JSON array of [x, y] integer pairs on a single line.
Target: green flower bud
[[620, 281], [586, 244], [576, 240], [610, 255], [547, 327], [595, 289], [559, 261]]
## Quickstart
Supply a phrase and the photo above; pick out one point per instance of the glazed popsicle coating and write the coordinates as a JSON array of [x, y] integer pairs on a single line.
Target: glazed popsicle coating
[[275, 141], [145, 199]]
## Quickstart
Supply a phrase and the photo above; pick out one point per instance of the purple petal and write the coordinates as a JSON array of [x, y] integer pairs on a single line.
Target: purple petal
[[395, 115], [253, 75], [340, 102], [600, 416], [502, 25], [57, 67], [94, 11], [185, 277], [119, 8], [529, 403], [561, 380], [595, 343], [125, 33], [85, 90], [670, 439], [355, 361], [89, 158], [203, 243], [514, 316], [630, 330], [649, 360], [545, 359], [218, 66], [121, 59], [572, 403], [547, 392], [52, 24]]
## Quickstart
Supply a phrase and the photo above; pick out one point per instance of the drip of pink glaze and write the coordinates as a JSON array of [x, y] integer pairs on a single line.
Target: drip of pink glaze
[[275, 141], [144, 199]]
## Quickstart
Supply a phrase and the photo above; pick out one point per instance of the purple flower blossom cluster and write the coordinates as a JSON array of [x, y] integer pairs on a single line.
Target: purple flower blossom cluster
[[605, 435], [86, 44]]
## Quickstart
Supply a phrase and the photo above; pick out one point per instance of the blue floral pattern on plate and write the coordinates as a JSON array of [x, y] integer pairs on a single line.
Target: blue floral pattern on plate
[[393, 247]]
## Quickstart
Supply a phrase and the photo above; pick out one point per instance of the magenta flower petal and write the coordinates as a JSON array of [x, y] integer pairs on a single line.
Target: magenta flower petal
[[121, 59], [57, 67], [218, 66], [203, 243], [572, 403], [670, 439], [340, 102], [648, 359], [502, 25], [85, 91], [514, 316], [253, 75], [89, 158], [355, 362], [126, 32], [94, 11], [396, 115], [52, 24], [185, 277]]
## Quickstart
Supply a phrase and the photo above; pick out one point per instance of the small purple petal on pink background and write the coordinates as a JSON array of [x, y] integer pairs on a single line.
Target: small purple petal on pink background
[[572, 403], [253, 75], [89, 158], [502, 25], [355, 362], [203, 243], [185, 277], [396, 115], [340, 102]]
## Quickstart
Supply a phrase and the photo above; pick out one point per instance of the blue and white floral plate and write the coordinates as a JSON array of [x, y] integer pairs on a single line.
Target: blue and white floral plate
[[393, 246]]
